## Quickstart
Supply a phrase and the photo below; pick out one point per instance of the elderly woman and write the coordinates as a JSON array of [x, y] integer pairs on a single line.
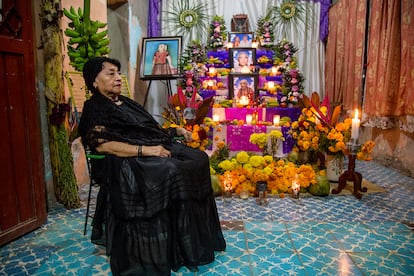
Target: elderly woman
[[160, 212]]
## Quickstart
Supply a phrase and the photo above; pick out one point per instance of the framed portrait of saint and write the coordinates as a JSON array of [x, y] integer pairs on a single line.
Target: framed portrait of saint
[[240, 58], [241, 40], [243, 85], [160, 57]]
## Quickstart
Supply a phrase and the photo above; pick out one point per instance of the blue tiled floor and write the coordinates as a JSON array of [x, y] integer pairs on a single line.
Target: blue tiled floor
[[333, 235]]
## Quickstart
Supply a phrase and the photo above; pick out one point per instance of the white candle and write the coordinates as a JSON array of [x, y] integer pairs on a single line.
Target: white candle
[[295, 188], [276, 120], [212, 71], [216, 118], [355, 126], [263, 114], [254, 44], [210, 84], [227, 183], [249, 118], [244, 100], [271, 86], [229, 45], [274, 71]]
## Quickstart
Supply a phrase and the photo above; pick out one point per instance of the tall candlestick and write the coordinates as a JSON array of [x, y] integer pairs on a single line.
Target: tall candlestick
[[355, 126]]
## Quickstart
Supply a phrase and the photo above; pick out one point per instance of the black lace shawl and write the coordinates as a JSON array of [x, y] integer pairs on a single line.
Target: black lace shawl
[[103, 121]]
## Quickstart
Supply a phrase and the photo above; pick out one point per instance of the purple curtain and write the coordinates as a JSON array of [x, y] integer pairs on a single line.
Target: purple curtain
[[154, 28], [324, 23]]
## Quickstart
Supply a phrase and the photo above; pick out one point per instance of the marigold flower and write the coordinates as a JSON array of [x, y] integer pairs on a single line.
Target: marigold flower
[[242, 157], [256, 161]]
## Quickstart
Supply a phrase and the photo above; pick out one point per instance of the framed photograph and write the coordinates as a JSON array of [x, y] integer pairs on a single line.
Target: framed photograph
[[241, 40], [243, 85], [239, 58], [160, 57]]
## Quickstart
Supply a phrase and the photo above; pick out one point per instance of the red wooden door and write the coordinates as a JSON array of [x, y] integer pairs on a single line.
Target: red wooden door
[[22, 184]]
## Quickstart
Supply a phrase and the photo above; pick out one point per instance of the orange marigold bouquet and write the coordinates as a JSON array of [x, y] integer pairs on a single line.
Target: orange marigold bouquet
[[319, 130], [190, 113]]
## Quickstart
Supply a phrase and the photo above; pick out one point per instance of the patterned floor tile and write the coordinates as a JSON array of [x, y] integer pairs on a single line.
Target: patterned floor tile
[[332, 235]]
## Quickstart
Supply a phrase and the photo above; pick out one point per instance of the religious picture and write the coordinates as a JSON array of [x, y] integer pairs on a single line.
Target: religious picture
[[241, 59], [160, 57]]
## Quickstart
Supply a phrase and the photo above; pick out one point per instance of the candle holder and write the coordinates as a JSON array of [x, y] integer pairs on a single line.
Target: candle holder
[[295, 191], [261, 187], [227, 197], [350, 174]]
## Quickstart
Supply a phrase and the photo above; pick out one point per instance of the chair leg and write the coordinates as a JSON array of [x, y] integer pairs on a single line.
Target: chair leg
[[87, 208]]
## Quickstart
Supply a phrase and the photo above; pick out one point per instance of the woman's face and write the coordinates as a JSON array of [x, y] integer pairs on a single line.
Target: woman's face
[[243, 59], [108, 81]]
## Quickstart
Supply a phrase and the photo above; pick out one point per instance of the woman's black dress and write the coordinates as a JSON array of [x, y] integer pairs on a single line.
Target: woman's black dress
[[159, 213]]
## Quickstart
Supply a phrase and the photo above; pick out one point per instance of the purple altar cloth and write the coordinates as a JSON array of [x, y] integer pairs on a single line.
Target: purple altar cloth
[[238, 137], [292, 112], [266, 113]]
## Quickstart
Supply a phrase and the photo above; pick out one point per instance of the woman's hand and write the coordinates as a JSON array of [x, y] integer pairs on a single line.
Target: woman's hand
[[155, 151], [185, 133]]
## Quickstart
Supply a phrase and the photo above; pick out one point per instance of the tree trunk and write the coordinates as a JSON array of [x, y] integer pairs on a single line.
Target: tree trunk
[[66, 189]]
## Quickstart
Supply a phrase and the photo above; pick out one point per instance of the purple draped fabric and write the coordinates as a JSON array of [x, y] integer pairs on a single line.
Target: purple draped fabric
[[324, 20], [154, 28]]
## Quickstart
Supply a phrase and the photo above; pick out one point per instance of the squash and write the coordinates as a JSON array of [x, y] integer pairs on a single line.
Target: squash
[[322, 186]]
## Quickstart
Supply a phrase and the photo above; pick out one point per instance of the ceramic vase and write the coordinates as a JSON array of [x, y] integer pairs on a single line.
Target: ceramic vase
[[334, 165]]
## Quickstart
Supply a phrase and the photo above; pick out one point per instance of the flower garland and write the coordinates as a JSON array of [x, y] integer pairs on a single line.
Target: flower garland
[[187, 21], [292, 87], [218, 34], [192, 63], [289, 13], [284, 52], [264, 31]]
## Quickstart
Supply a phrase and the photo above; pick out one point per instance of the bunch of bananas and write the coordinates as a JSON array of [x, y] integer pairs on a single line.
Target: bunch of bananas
[[85, 41]]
